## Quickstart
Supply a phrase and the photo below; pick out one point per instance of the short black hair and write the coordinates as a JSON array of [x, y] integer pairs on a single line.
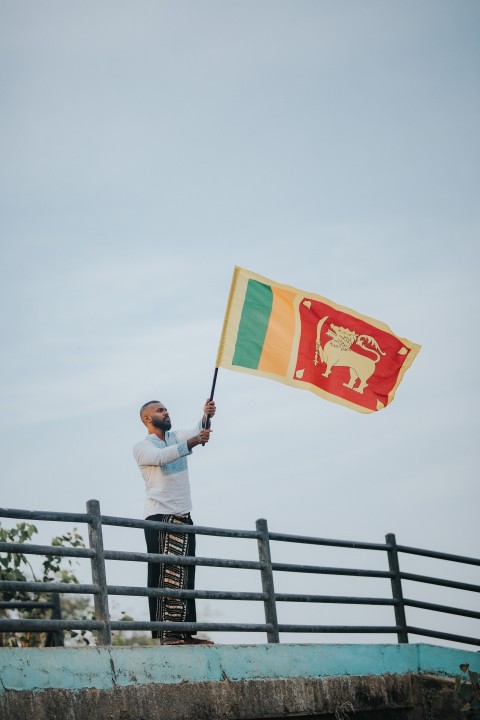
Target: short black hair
[[150, 402]]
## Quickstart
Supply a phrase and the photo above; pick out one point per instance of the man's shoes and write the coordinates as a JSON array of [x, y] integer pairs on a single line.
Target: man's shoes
[[189, 640]]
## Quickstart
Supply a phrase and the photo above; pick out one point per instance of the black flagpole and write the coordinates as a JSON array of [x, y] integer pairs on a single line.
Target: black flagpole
[[212, 391]]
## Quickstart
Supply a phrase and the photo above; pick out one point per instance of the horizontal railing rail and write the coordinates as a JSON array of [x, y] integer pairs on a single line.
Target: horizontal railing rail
[[99, 588], [38, 587], [54, 632], [27, 605], [440, 582], [326, 542], [438, 555], [353, 572], [21, 548]]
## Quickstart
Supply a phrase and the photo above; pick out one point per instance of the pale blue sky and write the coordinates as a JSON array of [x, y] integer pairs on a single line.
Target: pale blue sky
[[147, 148]]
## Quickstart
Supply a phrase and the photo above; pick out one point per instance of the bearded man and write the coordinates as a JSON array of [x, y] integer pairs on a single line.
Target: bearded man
[[162, 459]]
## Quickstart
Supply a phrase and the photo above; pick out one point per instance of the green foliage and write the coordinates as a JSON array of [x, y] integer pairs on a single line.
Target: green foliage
[[11, 564], [78, 607], [14, 566], [468, 687], [52, 566]]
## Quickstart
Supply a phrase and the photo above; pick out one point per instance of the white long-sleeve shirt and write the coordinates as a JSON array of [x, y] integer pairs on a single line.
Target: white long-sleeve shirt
[[164, 468]]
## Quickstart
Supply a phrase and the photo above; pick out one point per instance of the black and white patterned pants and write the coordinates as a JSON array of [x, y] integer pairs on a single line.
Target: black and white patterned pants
[[177, 577]]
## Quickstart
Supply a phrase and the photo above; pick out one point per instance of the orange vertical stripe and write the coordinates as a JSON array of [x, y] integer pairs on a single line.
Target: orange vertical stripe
[[277, 347]]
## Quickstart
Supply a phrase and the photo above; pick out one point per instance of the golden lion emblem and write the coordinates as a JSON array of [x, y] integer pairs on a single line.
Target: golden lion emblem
[[337, 353]]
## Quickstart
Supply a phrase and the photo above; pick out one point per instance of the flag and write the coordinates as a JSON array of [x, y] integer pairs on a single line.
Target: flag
[[306, 341]]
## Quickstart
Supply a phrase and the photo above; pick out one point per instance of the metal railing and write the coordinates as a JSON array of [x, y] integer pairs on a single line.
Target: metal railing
[[103, 625], [54, 636]]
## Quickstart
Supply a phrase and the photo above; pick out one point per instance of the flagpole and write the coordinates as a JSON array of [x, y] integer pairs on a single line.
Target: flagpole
[[212, 392]]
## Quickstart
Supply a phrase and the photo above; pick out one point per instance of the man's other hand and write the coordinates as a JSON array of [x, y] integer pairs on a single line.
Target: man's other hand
[[209, 408], [204, 435], [200, 439]]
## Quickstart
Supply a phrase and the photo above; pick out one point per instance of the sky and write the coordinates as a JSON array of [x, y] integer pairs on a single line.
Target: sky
[[149, 147]]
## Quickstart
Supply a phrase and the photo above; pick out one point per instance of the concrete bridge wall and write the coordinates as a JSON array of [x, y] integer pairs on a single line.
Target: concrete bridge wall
[[384, 682]]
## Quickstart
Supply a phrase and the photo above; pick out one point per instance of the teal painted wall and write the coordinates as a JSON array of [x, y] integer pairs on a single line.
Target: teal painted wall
[[105, 668]]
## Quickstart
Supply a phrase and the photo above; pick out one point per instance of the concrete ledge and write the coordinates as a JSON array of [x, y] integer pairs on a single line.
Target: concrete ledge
[[384, 682], [108, 667]]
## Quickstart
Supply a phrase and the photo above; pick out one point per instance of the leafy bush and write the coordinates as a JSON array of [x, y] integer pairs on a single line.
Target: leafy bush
[[15, 566]]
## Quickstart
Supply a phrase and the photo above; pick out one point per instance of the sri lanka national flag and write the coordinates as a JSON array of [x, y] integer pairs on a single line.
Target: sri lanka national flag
[[306, 341]]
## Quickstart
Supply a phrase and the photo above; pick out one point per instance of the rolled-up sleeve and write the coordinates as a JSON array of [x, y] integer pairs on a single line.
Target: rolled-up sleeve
[[147, 454]]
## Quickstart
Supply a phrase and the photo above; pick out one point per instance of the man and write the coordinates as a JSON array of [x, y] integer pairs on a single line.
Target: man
[[162, 459]]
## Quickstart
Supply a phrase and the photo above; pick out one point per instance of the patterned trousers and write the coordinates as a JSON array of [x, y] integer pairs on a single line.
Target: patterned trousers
[[176, 577]]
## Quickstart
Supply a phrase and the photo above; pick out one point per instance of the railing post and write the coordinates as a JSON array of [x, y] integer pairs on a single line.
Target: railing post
[[267, 580], [58, 639], [397, 592], [99, 575]]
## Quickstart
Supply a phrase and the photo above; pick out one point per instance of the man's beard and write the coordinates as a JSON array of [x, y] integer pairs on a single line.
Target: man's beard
[[163, 425]]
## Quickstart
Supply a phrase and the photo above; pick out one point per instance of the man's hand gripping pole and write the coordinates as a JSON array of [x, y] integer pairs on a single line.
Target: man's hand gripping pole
[[212, 392]]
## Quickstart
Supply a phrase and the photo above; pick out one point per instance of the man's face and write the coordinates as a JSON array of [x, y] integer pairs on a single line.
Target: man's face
[[159, 417]]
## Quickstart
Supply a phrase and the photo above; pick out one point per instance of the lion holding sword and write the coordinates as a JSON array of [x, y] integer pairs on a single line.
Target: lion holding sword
[[337, 352]]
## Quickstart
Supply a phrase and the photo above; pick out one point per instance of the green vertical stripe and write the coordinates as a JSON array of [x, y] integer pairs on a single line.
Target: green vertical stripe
[[253, 324]]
